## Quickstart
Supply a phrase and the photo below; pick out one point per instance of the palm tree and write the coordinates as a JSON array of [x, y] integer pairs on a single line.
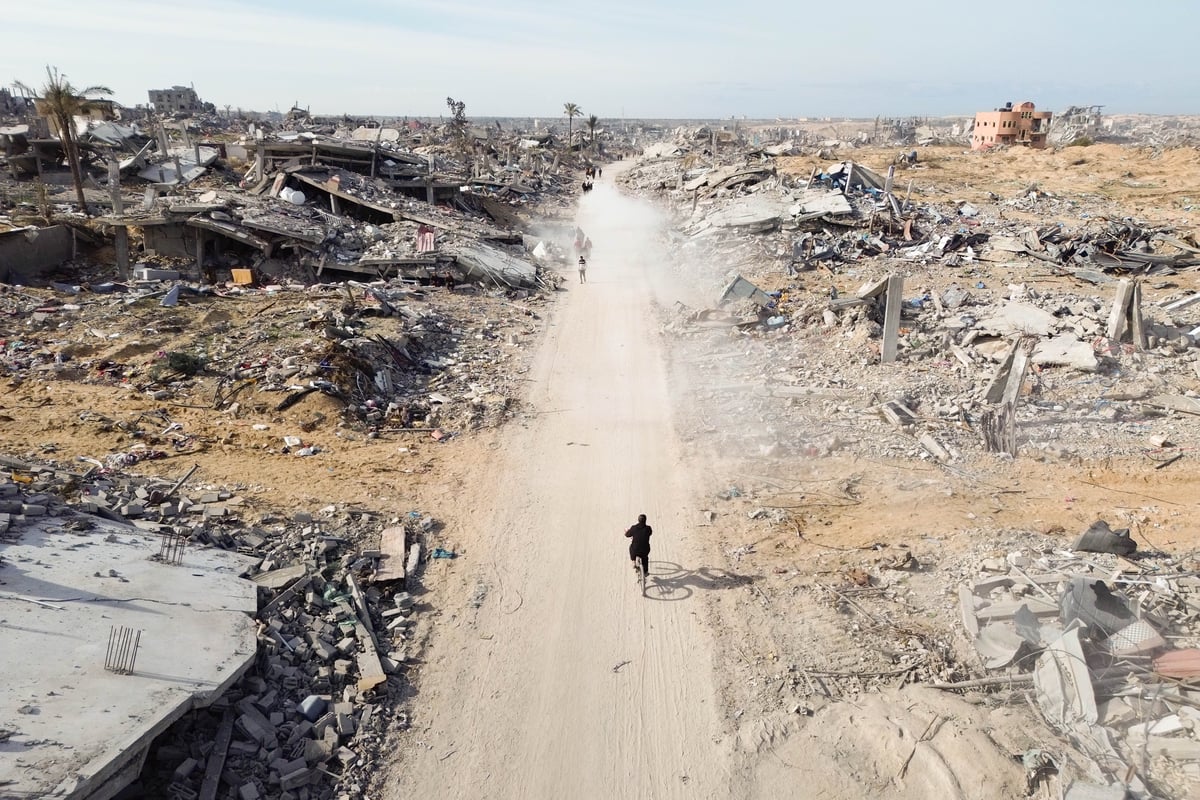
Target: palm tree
[[61, 102], [572, 111], [592, 122]]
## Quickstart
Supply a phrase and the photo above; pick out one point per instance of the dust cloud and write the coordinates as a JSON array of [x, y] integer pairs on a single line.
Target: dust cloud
[[627, 231]]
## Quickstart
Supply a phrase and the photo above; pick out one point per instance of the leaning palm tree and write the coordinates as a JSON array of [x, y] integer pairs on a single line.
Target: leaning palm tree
[[61, 102], [592, 122], [572, 111]]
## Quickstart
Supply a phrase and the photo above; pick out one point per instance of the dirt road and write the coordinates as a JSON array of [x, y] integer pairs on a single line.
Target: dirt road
[[549, 675]]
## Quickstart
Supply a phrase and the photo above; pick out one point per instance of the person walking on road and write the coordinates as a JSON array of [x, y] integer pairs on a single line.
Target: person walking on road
[[639, 544], [582, 269]]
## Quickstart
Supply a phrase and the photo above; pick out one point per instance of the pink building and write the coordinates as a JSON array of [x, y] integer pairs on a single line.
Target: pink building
[[1021, 125]]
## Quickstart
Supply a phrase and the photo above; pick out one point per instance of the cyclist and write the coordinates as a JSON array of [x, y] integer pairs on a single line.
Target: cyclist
[[639, 544]]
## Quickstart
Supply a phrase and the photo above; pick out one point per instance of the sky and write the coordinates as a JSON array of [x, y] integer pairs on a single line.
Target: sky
[[707, 59]]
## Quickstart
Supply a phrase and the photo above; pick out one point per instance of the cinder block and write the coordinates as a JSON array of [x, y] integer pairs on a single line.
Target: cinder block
[[151, 274], [296, 779], [185, 769]]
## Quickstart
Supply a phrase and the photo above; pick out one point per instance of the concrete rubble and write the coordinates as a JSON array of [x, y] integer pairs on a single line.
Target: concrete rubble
[[397, 273], [321, 655], [1083, 351], [824, 246], [1109, 641]]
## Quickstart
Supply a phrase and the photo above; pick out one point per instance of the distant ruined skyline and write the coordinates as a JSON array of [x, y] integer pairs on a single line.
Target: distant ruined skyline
[[703, 59]]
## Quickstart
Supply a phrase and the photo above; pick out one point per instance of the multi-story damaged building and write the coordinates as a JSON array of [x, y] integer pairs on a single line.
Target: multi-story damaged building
[[12, 104], [1023, 125], [176, 100]]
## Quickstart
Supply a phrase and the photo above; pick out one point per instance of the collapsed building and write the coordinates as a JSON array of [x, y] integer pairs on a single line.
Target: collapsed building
[[850, 317], [355, 223], [176, 100], [298, 623]]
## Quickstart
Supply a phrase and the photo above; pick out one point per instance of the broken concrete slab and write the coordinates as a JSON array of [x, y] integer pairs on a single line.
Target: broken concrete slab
[[740, 288], [1018, 318], [1065, 350], [751, 213], [93, 730], [491, 264], [391, 546]]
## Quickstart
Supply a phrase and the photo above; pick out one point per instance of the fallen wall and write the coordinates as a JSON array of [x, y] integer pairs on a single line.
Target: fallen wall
[[26, 254]]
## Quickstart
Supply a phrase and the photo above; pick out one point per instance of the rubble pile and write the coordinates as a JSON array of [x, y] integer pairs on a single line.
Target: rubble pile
[[839, 322], [1109, 640], [338, 623], [280, 288], [412, 201], [806, 331], [391, 354]]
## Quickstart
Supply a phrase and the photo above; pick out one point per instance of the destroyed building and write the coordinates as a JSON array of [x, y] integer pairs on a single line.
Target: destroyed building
[[348, 239], [1079, 121], [12, 104], [176, 100], [1022, 125]]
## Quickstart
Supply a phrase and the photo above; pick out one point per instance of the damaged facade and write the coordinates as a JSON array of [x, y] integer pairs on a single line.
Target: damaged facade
[[1022, 125], [176, 100]]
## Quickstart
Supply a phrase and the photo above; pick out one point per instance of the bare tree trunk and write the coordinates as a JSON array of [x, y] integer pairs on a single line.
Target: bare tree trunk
[[68, 140]]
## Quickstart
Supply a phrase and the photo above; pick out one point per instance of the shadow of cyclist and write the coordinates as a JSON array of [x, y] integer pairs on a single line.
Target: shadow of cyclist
[[670, 581]]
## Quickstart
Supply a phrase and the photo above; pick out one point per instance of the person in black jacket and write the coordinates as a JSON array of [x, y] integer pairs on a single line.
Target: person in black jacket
[[639, 544]]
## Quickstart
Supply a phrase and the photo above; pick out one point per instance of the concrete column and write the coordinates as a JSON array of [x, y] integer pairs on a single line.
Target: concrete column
[[121, 237], [122, 246], [891, 318]]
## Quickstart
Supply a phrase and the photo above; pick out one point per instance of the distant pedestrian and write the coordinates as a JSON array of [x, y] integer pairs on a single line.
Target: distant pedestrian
[[582, 269], [587, 248]]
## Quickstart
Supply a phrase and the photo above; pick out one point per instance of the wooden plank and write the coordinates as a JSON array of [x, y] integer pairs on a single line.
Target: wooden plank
[[891, 318], [216, 758], [360, 604], [370, 668]]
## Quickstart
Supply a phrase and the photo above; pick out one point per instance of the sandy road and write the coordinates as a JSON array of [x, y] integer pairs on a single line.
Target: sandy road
[[565, 681]]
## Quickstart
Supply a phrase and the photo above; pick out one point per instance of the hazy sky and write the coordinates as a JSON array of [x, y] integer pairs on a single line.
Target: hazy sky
[[664, 58]]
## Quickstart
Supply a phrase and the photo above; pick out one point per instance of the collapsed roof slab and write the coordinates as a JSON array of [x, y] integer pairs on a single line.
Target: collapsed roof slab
[[77, 730], [367, 208]]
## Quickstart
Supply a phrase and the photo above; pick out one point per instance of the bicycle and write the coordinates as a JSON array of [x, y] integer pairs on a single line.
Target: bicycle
[[641, 565]]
